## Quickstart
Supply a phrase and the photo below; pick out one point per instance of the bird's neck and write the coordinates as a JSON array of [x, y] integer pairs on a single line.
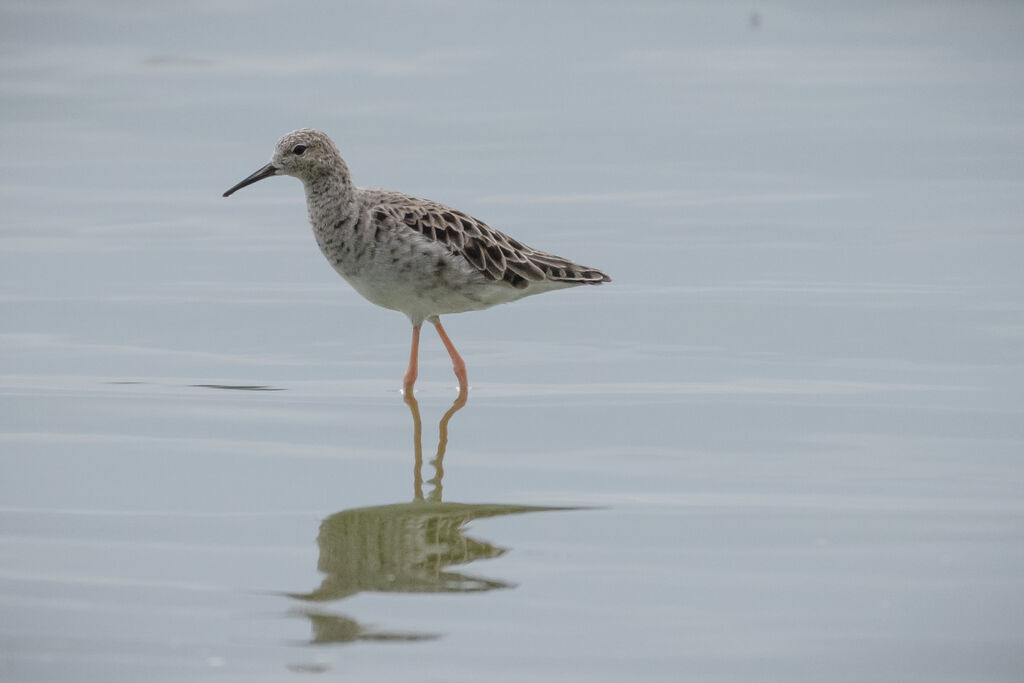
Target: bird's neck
[[330, 198]]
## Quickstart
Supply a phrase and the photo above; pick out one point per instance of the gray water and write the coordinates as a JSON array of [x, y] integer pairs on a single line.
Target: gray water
[[785, 444]]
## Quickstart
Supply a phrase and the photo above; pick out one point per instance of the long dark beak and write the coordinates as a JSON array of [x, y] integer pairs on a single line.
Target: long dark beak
[[264, 172]]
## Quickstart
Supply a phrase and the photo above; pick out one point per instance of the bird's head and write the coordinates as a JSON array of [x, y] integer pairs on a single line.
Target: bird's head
[[306, 154]]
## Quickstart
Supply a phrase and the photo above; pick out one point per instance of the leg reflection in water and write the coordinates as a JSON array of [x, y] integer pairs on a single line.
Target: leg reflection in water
[[403, 547], [442, 444]]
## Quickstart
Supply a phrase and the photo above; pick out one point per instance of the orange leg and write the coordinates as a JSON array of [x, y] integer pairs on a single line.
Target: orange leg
[[458, 364], [414, 353]]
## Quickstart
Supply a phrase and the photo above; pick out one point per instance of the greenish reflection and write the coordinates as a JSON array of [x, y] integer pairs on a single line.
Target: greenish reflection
[[404, 547]]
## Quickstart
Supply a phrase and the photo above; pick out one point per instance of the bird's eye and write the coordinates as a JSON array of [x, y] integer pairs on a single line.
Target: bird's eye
[[297, 150]]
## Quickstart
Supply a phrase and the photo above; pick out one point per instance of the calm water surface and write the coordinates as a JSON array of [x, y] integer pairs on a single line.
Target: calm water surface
[[785, 444]]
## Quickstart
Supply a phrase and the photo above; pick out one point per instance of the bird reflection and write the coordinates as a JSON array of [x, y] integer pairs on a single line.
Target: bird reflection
[[404, 547]]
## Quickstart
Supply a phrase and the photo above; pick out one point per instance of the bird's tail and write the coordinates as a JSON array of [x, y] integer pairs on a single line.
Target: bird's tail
[[559, 269]]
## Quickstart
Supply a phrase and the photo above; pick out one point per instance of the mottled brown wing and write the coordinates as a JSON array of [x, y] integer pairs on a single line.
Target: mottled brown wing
[[493, 253]]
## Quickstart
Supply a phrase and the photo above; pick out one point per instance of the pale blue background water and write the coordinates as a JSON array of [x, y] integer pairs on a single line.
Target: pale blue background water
[[796, 415]]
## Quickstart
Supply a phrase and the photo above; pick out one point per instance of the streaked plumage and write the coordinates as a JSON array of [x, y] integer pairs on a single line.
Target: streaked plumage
[[412, 255]]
